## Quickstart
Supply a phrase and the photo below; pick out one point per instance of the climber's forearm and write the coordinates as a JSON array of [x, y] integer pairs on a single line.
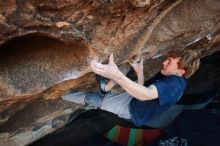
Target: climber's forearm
[[110, 85], [136, 90], [140, 77]]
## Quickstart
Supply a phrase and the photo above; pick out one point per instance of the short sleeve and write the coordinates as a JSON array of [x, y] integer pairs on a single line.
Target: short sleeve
[[170, 89]]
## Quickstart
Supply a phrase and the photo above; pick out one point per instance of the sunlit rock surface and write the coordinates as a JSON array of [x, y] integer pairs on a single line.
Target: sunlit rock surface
[[46, 46]]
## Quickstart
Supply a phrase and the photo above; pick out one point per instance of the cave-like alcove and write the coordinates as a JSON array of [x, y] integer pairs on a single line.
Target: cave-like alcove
[[32, 63]]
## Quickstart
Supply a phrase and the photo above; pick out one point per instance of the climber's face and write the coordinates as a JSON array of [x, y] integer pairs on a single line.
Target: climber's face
[[171, 67]]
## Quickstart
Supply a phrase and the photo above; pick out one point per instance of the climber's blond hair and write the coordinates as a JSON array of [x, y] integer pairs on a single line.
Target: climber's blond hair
[[189, 61]]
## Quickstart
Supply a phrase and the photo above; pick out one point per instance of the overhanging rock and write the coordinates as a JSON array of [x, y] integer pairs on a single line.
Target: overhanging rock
[[46, 46]]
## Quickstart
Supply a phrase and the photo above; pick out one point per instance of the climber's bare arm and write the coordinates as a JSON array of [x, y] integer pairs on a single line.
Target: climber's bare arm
[[138, 68], [136, 90], [110, 85]]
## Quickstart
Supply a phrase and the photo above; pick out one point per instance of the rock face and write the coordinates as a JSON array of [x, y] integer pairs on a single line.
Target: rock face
[[35, 120], [46, 46]]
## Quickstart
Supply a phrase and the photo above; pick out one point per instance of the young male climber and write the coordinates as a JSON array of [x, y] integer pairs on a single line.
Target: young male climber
[[141, 100]]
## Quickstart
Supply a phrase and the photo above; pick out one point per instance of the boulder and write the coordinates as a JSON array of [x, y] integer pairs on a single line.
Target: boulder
[[46, 46]]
